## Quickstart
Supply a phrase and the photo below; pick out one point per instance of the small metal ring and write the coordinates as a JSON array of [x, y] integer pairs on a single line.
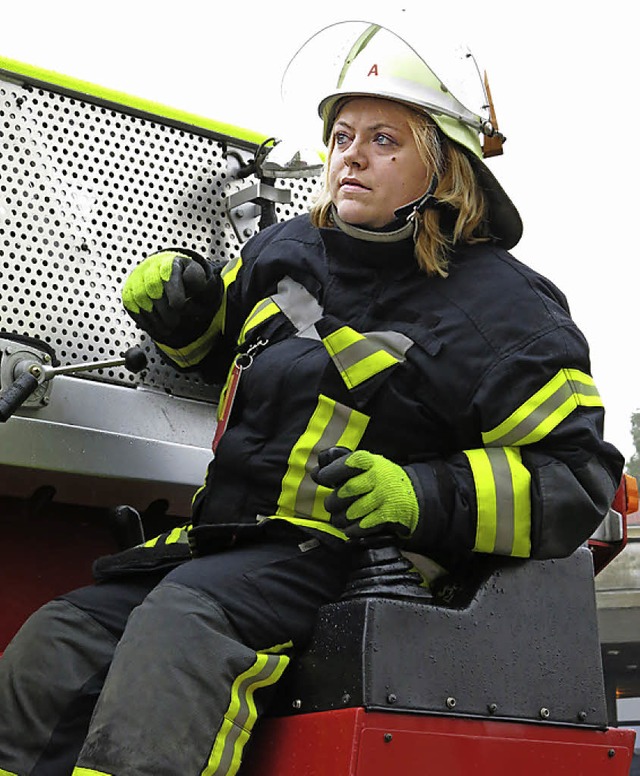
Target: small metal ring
[[244, 361]]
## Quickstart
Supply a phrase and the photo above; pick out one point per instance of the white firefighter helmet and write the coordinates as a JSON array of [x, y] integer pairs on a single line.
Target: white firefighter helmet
[[366, 59]]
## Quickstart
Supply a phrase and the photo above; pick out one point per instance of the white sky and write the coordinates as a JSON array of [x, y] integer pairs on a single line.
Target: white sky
[[563, 74]]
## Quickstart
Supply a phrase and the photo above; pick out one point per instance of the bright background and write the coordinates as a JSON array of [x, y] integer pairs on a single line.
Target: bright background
[[564, 78]]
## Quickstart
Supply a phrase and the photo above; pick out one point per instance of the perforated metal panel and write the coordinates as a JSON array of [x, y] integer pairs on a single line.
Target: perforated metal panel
[[86, 192]]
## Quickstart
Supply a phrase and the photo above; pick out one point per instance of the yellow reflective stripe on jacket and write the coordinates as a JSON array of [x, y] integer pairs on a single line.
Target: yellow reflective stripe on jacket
[[241, 715], [7, 773], [260, 313], [228, 274], [177, 535], [546, 409], [331, 424], [503, 495], [78, 772], [361, 356], [194, 352], [293, 301]]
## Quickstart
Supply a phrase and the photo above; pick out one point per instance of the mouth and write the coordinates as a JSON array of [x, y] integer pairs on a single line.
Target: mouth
[[352, 184]]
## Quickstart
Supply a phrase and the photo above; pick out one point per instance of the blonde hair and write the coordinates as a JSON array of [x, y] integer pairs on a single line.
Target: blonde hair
[[457, 189]]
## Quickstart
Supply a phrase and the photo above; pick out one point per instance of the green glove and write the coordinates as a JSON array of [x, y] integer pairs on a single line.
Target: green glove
[[371, 494], [172, 295]]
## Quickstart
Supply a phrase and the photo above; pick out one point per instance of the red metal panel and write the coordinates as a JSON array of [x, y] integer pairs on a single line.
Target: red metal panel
[[453, 747], [322, 744], [352, 742]]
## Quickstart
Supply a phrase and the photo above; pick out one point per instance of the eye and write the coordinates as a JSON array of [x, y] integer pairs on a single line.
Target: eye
[[383, 140], [340, 138]]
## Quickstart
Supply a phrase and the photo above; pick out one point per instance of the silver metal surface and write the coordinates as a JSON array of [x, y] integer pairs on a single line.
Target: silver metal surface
[[125, 443], [132, 411]]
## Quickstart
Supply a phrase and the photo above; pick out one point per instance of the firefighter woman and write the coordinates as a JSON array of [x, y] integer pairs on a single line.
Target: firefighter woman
[[390, 323]]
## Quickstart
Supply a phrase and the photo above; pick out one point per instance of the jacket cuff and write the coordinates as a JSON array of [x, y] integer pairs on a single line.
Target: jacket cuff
[[430, 522]]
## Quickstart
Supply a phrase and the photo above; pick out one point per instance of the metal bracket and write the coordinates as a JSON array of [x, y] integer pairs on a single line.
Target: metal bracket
[[17, 358], [611, 529], [244, 206]]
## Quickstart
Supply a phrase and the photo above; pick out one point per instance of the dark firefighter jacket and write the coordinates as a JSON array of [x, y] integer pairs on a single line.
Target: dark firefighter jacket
[[479, 383]]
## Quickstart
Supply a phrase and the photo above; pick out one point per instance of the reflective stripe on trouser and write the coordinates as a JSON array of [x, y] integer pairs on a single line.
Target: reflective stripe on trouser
[[179, 651], [89, 772], [242, 713], [42, 673]]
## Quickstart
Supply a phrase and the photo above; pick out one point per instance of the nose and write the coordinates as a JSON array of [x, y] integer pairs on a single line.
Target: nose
[[354, 155]]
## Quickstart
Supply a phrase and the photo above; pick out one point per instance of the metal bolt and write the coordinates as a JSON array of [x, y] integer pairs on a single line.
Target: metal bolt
[[582, 715], [544, 713], [247, 232], [46, 358], [611, 753], [36, 371], [492, 708], [297, 704], [391, 698], [346, 698], [8, 350], [45, 400], [451, 703], [387, 738]]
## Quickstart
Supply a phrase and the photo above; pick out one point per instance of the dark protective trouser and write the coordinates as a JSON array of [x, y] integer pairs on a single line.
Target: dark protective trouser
[[178, 668]]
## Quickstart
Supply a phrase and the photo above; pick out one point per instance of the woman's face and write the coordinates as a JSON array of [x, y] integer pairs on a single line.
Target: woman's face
[[374, 166]]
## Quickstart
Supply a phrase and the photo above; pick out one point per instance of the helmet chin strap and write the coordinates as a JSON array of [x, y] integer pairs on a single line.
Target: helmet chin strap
[[416, 208], [407, 216]]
